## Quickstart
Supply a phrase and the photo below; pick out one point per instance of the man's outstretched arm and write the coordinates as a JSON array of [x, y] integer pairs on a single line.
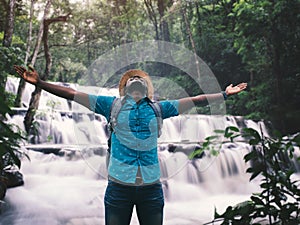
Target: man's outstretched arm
[[189, 102], [31, 76]]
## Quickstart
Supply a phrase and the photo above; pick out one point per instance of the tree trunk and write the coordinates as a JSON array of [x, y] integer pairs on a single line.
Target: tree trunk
[[9, 28], [35, 97], [277, 71], [152, 17], [8, 34], [163, 26], [160, 26], [22, 83], [34, 103], [192, 41]]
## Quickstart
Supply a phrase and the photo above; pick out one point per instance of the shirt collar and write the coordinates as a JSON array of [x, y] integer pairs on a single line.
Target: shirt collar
[[130, 98]]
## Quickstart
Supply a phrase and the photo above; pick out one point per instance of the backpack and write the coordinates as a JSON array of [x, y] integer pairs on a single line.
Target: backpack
[[116, 108]]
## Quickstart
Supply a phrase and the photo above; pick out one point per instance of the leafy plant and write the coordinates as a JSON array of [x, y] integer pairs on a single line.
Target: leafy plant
[[214, 143], [9, 140], [272, 160]]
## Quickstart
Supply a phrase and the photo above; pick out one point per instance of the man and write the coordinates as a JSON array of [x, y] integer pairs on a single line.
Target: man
[[133, 170]]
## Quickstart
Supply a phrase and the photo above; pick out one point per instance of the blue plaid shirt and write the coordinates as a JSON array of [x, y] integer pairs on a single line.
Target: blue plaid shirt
[[134, 140]]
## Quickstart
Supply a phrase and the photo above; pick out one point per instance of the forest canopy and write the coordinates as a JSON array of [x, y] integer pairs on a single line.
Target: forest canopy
[[241, 41]]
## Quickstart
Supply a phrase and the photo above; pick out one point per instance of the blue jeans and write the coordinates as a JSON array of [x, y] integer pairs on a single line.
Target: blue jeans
[[120, 199]]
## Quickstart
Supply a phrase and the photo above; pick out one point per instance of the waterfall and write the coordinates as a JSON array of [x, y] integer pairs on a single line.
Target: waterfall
[[63, 122], [66, 185]]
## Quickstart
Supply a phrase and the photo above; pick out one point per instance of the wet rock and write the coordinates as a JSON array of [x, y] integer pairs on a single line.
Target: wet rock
[[3, 187], [14, 178]]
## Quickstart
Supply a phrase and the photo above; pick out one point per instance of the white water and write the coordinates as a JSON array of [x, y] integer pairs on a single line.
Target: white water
[[69, 189]]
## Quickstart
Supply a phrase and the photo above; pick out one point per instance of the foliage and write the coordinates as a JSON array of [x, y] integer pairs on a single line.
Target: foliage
[[10, 138], [252, 41], [271, 160], [257, 107], [9, 56], [268, 50]]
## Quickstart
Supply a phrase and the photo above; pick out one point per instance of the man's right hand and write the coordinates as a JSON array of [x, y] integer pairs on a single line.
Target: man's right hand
[[30, 75]]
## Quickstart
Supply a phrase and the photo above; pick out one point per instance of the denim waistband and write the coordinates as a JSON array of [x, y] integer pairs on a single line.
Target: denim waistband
[[139, 182]]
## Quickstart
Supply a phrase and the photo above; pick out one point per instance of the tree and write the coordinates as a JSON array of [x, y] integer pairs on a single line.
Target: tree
[[266, 37], [22, 83], [34, 101], [8, 32], [254, 41], [9, 28]]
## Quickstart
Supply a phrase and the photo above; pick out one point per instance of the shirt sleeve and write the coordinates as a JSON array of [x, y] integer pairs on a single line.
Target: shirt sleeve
[[101, 104], [169, 108]]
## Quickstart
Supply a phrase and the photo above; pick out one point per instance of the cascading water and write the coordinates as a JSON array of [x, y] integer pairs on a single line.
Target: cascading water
[[67, 185]]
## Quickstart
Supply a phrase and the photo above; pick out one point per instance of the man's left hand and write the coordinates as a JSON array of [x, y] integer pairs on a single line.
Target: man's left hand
[[231, 90]]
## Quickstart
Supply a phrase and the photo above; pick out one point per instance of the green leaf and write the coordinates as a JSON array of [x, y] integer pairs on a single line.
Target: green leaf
[[254, 174], [14, 157], [296, 139], [219, 131], [196, 153], [213, 137], [265, 185], [250, 156], [253, 135]]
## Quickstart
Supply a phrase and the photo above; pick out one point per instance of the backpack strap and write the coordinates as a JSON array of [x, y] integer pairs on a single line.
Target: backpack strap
[[156, 106], [114, 112], [112, 122]]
